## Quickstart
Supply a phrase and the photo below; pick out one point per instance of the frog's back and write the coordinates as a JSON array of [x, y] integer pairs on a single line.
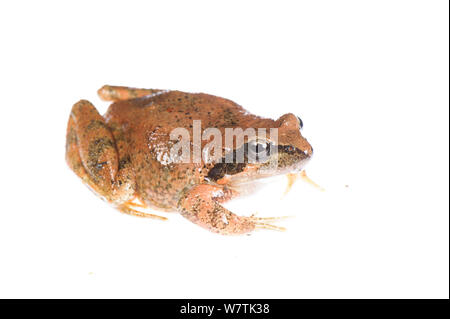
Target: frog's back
[[146, 123]]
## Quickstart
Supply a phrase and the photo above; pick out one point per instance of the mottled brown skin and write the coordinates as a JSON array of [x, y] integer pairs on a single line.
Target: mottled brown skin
[[122, 156]]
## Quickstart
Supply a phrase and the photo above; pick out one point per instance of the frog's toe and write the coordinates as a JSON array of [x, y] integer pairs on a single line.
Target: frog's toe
[[130, 211], [265, 222], [268, 226], [292, 178], [308, 180]]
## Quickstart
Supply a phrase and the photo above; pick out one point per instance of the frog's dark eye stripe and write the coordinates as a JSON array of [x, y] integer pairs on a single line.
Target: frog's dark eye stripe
[[300, 121], [291, 150], [221, 169]]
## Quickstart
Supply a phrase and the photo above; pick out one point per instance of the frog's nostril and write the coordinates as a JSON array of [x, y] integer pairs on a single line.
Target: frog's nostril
[[308, 151]]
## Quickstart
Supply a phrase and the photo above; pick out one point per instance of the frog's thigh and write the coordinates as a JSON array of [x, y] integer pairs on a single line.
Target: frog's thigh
[[201, 205], [73, 156], [90, 148], [120, 93]]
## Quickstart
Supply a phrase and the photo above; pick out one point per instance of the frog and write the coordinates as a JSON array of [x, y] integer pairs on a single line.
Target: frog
[[122, 156]]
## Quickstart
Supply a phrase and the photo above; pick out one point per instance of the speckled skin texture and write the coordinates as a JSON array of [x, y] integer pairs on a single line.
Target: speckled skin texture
[[122, 156]]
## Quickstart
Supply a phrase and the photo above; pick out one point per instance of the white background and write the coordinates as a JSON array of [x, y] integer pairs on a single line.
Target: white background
[[368, 78]]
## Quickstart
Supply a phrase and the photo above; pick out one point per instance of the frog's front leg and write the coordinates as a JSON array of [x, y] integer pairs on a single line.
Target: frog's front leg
[[202, 206], [91, 152]]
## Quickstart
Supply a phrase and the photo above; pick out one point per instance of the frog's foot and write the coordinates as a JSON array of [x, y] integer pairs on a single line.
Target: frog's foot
[[201, 205], [130, 211], [120, 93], [308, 180], [293, 177]]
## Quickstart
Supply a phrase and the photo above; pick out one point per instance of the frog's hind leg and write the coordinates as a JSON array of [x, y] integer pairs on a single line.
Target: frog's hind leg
[[120, 93], [73, 158], [91, 153], [201, 205]]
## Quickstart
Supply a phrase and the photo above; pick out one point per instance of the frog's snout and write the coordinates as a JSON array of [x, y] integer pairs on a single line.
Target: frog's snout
[[309, 150]]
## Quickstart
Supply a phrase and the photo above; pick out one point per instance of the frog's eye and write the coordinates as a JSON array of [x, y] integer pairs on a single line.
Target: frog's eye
[[258, 151], [300, 122], [258, 148]]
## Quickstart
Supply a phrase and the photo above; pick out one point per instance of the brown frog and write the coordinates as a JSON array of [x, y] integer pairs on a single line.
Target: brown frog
[[124, 158]]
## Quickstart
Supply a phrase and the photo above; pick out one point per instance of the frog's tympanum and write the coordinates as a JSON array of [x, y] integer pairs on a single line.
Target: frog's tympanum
[[124, 156]]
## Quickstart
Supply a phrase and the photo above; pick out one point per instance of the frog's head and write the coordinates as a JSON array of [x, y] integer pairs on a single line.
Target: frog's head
[[293, 150], [289, 152], [286, 152]]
